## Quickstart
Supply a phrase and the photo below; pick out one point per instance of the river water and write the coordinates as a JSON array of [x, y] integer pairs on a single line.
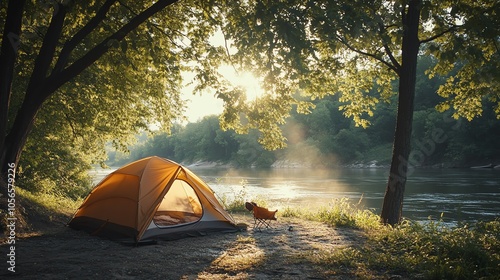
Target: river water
[[456, 194]]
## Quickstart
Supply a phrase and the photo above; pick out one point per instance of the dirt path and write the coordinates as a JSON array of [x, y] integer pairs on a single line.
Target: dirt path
[[269, 254]]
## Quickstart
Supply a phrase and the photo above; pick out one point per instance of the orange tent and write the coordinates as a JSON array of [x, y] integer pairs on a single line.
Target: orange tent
[[149, 199]]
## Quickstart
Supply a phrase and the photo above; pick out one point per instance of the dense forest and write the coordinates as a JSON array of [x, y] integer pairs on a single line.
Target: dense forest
[[326, 138]]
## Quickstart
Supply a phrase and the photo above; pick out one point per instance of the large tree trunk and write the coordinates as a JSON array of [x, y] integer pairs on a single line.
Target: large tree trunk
[[18, 135], [35, 94], [393, 200], [8, 55]]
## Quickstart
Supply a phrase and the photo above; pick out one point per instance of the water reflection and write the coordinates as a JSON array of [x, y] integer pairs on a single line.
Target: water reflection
[[460, 194]]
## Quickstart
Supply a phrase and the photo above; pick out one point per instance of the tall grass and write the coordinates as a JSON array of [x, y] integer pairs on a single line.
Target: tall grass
[[340, 212], [235, 203]]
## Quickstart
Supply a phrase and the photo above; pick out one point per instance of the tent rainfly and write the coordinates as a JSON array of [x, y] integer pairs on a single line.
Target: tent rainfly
[[152, 198]]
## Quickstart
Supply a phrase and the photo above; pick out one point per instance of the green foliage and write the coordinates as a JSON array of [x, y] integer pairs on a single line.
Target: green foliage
[[134, 84], [357, 142], [291, 212], [475, 46], [461, 252], [326, 138], [57, 157], [251, 153], [307, 51], [202, 141], [236, 202]]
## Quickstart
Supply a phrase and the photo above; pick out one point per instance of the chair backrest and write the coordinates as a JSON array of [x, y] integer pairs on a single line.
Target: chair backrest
[[249, 205]]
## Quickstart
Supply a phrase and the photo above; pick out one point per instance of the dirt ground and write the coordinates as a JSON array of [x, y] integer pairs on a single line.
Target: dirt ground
[[64, 253]]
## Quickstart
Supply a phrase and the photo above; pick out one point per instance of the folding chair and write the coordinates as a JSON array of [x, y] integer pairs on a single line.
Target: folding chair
[[261, 216]]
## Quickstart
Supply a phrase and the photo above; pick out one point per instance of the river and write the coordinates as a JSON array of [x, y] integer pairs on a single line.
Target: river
[[456, 194]]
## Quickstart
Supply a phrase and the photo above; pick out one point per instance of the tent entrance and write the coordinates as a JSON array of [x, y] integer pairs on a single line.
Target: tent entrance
[[179, 206]]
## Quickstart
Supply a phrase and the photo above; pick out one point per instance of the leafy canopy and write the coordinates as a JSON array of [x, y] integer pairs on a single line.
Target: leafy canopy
[[353, 48], [135, 84]]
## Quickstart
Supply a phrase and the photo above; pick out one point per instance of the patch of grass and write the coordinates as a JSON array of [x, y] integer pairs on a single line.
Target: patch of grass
[[244, 255], [236, 202], [291, 212], [428, 250], [53, 203], [438, 251], [344, 261], [340, 212], [39, 212], [245, 239]]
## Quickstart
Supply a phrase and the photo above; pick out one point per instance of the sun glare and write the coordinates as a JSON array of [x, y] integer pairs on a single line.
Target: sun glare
[[244, 79]]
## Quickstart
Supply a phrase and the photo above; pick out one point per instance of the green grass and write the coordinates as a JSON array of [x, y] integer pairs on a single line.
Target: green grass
[[340, 212], [54, 203], [430, 250], [38, 211], [236, 202]]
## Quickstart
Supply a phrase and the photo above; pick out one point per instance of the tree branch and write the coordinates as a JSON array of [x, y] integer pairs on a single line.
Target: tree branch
[[47, 50], [388, 51], [127, 7], [374, 56], [451, 29], [155, 25], [71, 44], [56, 80], [228, 53], [396, 64]]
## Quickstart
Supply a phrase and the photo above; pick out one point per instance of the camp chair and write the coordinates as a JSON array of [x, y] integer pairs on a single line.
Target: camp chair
[[262, 217]]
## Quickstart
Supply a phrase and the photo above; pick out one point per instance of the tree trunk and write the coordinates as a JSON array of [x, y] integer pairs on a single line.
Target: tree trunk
[[393, 200], [18, 135], [35, 96], [8, 55]]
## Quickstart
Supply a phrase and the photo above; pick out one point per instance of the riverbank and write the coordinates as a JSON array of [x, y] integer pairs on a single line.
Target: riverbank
[[290, 164], [339, 242]]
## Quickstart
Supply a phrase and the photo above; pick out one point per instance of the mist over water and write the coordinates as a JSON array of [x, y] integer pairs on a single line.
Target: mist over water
[[458, 194]]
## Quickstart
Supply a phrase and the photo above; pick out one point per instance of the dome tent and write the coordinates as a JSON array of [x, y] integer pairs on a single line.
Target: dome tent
[[152, 198]]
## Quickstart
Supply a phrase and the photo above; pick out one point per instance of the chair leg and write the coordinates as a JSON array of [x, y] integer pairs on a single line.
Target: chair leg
[[266, 223], [256, 224], [259, 223]]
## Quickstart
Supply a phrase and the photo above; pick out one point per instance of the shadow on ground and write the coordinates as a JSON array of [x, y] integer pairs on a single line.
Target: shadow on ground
[[268, 254]]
